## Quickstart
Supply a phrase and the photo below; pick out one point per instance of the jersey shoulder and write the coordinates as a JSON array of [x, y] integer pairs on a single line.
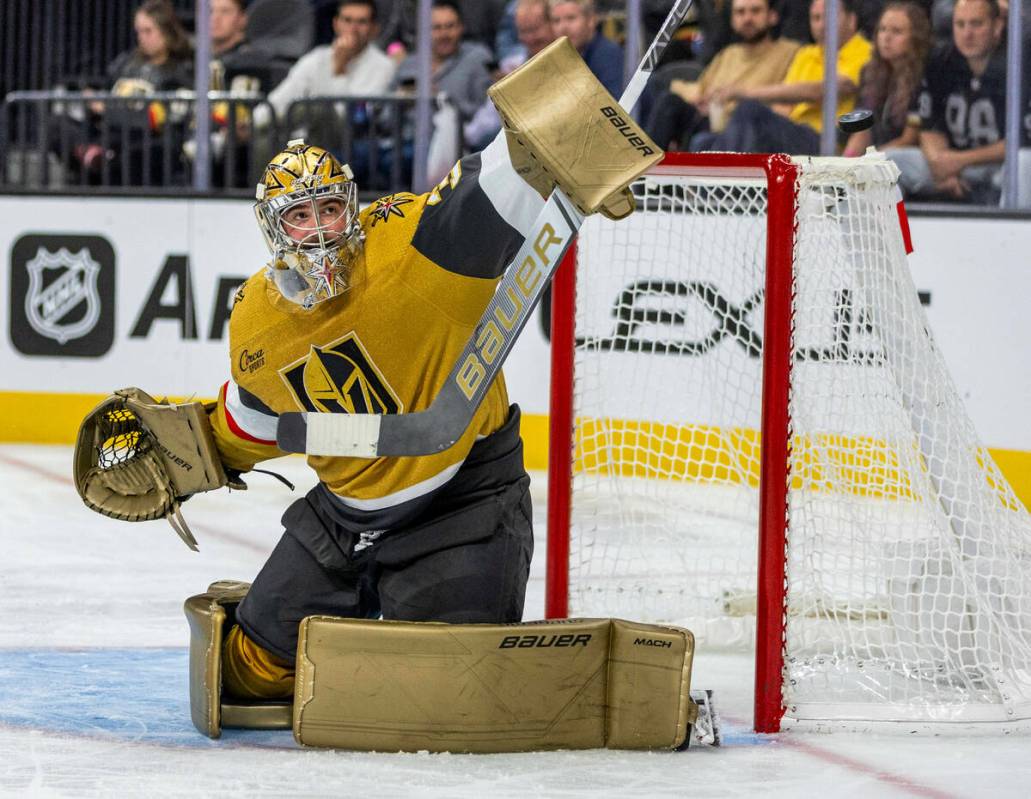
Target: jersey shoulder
[[389, 224], [400, 210]]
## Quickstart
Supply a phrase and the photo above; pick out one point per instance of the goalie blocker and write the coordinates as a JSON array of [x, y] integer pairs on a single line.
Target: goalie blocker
[[413, 686]]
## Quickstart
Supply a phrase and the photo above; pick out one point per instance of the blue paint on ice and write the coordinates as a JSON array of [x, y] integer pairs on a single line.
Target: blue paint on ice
[[130, 695], [138, 696]]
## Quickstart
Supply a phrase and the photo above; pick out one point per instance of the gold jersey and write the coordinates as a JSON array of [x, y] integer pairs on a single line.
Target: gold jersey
[[429, 267]]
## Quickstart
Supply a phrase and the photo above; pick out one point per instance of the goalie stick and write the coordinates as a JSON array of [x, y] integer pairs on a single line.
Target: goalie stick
[[443, 423]]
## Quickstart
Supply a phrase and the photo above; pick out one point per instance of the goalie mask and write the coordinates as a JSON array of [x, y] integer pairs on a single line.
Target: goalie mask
[[307, 208]]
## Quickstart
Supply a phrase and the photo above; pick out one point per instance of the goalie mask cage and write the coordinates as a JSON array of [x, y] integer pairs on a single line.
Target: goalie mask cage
[[864, 543]]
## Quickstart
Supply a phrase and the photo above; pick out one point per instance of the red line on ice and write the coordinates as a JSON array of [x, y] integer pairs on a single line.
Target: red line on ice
[[826, 755], [852, 764]]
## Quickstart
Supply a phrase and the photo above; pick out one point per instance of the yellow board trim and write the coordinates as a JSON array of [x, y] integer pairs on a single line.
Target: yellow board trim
[[37, 418]]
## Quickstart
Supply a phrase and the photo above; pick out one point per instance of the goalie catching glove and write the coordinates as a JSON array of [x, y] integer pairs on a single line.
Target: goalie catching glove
[[563, 128], [138, 459]]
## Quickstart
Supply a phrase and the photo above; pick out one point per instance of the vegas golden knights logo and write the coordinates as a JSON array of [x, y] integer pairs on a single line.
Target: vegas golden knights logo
[[340, 378]]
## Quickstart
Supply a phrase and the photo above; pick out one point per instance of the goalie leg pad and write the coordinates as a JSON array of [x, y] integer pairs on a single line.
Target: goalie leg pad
[[210, 615], [564, 128], [582, 684]]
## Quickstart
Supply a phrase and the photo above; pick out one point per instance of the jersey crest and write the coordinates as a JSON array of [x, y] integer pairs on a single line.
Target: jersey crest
[[340, 378]]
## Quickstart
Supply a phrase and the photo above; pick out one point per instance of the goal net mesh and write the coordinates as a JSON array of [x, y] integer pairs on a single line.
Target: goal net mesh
[[908, 558]]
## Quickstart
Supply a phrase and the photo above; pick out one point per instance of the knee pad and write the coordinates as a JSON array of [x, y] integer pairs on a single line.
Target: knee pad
[[210, 616]]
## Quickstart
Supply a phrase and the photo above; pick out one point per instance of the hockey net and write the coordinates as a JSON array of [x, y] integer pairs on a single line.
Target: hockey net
[[743, 374]]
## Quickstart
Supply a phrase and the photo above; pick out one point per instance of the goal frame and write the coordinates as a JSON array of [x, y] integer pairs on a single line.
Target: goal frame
[[781, 175]]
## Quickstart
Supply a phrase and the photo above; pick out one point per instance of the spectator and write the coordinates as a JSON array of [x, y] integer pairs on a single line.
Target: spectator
[[961, 113], [577, 20], [227, 27], [535, 33], [161, 61], [239, 66], [351, 65], [232, 55], [480, 21], [890, 81], [276, 34], [457, 68], [794, 125], [758, 59], [533, 26]]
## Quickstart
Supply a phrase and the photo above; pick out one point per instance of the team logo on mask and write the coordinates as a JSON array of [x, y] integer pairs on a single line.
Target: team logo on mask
[[340, 378]]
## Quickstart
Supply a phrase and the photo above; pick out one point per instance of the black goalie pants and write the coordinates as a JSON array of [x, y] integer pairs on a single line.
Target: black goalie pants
[[465, 558]]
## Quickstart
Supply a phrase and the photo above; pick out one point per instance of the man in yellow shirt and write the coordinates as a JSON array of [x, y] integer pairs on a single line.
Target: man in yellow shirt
[[757, 59], [787, 117]]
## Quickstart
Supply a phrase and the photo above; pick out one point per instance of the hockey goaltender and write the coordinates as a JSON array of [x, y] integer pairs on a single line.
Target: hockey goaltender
[[387, 617]]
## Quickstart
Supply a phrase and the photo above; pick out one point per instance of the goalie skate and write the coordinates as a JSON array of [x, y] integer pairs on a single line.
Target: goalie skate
[[706, 729]]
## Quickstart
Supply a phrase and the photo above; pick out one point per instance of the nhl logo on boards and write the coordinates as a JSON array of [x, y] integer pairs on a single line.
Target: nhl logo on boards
[[62, 295], [49, 308]]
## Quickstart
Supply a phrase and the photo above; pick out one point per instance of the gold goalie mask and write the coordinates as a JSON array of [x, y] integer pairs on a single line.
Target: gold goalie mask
[[307, 208]]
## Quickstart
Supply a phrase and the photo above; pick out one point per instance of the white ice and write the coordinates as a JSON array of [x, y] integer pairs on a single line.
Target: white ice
[[93, 694]]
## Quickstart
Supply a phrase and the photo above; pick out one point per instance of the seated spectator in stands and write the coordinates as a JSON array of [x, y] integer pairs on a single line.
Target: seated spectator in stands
[[232, 55], [162, 61], [459, 77], [227, 27], [351, 65], [480, 22], [535, 33], [577, 20], [458, 69], [890, 81], [757, 59], [239, 67], [961, 113], [793, 125]]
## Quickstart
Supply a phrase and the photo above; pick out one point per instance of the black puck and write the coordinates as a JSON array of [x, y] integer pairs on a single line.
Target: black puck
[[855, 121]]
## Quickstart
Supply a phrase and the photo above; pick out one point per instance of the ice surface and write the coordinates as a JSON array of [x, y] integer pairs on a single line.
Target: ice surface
[[93, 694]]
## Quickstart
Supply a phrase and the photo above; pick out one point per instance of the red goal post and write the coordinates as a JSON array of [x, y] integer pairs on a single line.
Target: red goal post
[[780, 175], [866, 530]]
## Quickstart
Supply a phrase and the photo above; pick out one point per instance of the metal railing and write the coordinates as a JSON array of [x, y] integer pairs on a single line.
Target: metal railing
[[372, 133], [47, 42], [90, 142]]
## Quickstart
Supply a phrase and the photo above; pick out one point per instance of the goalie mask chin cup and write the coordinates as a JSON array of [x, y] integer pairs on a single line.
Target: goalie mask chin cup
[[312, 255]]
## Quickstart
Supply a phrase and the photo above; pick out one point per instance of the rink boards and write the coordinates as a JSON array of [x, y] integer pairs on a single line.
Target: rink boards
[[108, 292]]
